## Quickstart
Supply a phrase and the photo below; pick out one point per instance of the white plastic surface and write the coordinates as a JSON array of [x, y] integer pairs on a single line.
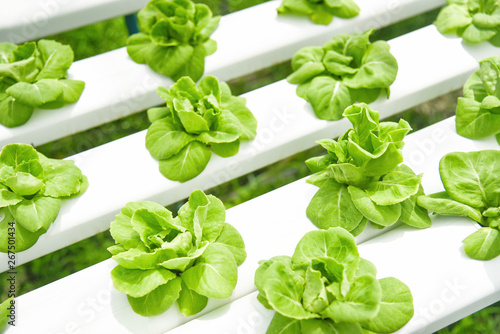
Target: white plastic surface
[[26, 20], [284, 223], [446, 285], [248, 40], [123, 171]]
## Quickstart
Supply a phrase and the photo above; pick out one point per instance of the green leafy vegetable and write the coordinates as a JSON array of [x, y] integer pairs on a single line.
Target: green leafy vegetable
[[361, 177], [472, 183], [33, 75], [345, 70], [31, 189], [473, 20], [325, 287], [174, 38], [196, 121], [320, 11], [478, 111], [186, 259], [5, 312]]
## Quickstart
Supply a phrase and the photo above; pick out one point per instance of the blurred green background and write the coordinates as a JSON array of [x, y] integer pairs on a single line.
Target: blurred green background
[[112, 34]]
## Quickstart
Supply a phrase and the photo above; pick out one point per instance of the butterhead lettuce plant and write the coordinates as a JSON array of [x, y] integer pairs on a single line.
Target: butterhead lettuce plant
[[478, 111], [325, 287], [320, 11], [34, 75], [185, 260], [346, 69], [361, 178], [473, 20], [472, 189], [196, 121], [31, 189], [174, 38]]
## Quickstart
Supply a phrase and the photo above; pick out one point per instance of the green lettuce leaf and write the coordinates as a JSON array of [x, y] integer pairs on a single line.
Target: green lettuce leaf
[[396, 307], [384, 215], [332, 206], [334, 242], [157, 301], [214, 274], [283, 325], [442, 204], [360, 304], [5, 312], [483, 244], [283, 289], [24, 238], [137, 283], [186, 164], [472, 178], [14, 113], [190, 302]]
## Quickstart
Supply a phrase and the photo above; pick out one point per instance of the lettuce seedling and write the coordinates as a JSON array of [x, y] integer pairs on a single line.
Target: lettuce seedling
[[345, 70], [478, 112], [186, 259], [196, 121], [361, 178], [473, 20], [33, 75], [472, 189], [325, 287], [174, 38], [320, 11], [31, 189]]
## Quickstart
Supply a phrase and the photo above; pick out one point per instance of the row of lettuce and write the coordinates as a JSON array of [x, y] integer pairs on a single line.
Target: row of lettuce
[[164, 260], [174, 40], [325, 285], [362, 169]]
